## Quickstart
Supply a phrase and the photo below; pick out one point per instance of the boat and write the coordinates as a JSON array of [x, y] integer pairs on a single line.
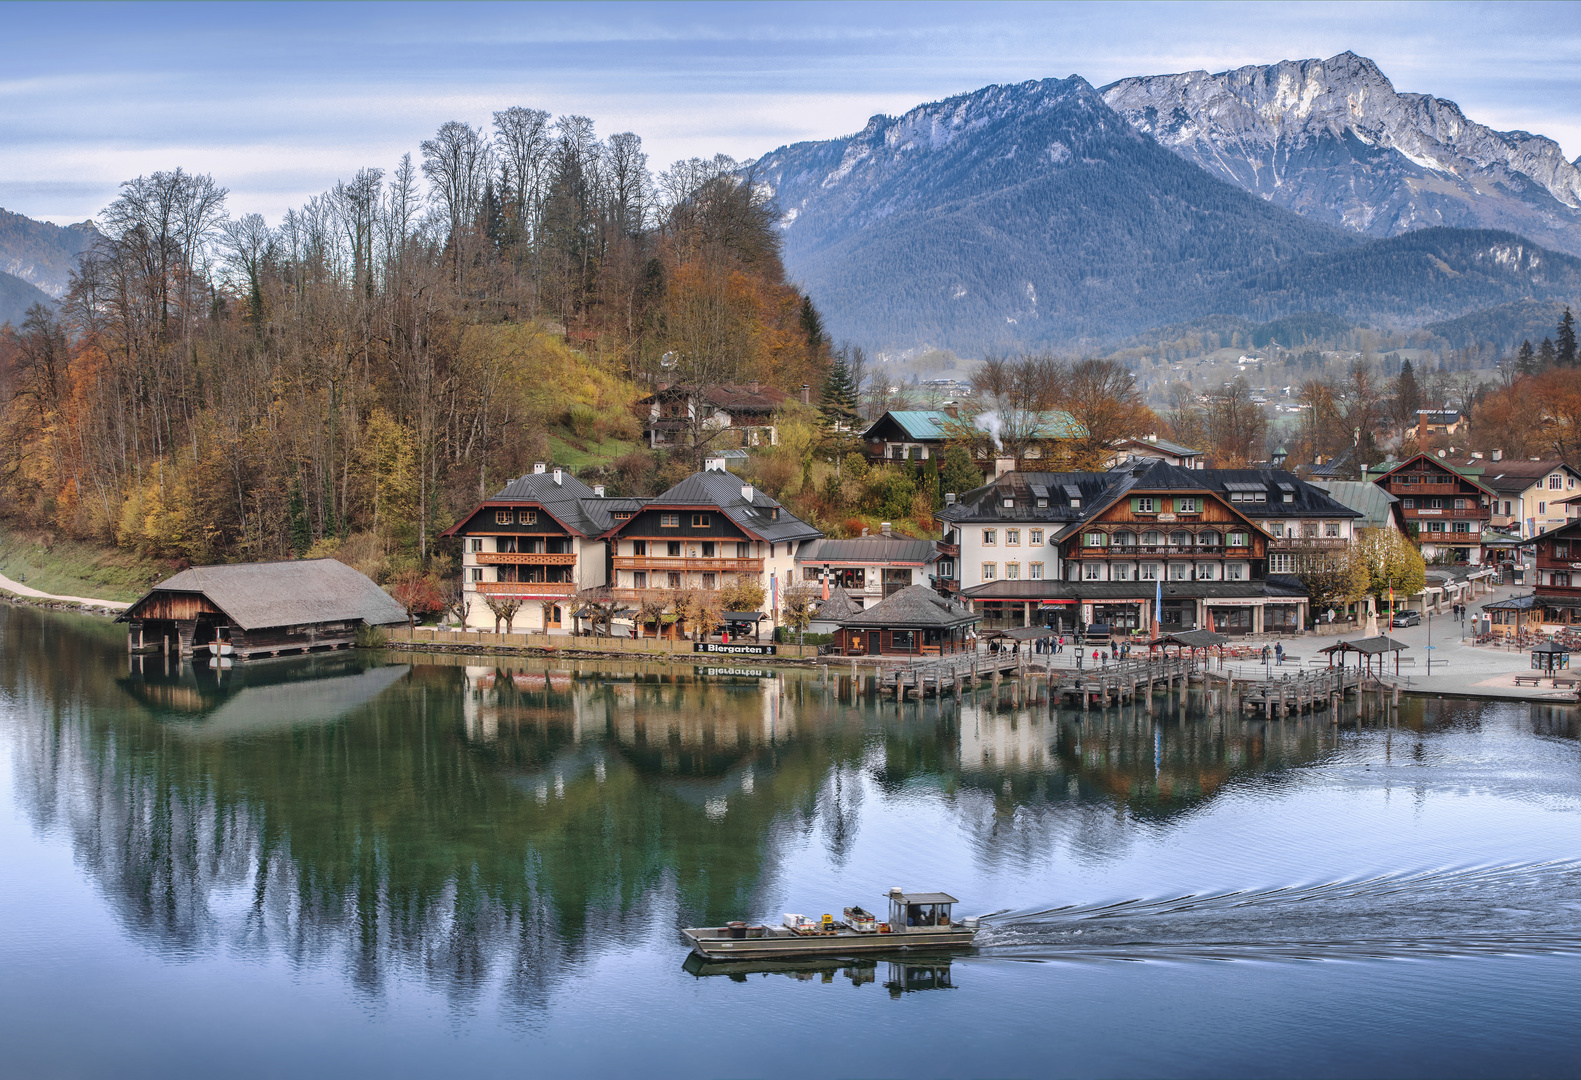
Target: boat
[[916, 921]]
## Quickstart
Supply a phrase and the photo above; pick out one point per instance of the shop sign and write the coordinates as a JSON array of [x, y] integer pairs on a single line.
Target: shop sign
[[719, 648]]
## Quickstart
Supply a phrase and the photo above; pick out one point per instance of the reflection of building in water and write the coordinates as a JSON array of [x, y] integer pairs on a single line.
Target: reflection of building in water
[[1010, 741]]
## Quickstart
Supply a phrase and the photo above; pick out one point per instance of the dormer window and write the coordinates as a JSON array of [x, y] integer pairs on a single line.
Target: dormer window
[[1075, 504], [1043, 504], [1008, 504]]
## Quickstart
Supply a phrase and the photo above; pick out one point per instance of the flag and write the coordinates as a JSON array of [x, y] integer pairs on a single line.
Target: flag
[[774, 594], [1158, 601]]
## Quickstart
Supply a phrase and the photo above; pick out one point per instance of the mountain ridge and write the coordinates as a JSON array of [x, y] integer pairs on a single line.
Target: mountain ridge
[[41, 253]]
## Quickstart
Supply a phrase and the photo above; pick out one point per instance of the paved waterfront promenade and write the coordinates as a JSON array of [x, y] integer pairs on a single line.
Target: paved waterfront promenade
[[86, 601]]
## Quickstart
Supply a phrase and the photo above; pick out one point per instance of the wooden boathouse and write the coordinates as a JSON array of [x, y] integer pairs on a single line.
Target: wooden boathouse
[[916, 621], [259, 609]]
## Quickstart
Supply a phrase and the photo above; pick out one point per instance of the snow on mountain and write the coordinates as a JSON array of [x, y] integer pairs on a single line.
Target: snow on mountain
[[1333, 140]]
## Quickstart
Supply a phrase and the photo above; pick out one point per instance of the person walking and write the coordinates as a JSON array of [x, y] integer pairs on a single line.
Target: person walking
[[1279, 653]]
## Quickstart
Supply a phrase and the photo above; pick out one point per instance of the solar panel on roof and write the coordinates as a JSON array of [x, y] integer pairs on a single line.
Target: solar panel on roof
[[1072, 490], [1286, 487], [1040, 490], [1245, 487]]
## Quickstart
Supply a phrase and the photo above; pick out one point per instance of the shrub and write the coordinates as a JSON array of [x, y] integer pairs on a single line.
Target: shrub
[[582, 419], [371, 637]]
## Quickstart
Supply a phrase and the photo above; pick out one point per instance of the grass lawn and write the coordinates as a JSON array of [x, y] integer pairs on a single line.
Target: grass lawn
[[72, 568], [578, 454]]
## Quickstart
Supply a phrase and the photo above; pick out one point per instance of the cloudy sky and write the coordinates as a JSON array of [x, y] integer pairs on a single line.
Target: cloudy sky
[[278, 101]]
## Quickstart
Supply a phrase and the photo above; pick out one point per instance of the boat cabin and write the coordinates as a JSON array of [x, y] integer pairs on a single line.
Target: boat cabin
[[910, 910]]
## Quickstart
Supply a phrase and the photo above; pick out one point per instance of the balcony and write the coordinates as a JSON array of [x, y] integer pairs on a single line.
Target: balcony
[[659, 564], [1184, 551], [523, 588], [505, 558], [949, 549], [1305, 543]]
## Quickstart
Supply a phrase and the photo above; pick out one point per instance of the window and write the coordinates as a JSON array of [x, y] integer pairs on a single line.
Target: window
[[1208, 539], [1180, 539], [1435, 526], [1560, 578], [1007, 503], [1124, 539], [1234, 571], [1289, 498], [639, 548], [708, 549], [475, 544], [1281, 564], [1460, 504], [699, 521], [1035, 571], [504, 517], [1555, 483], [1042, 503], [1149, 571], [1188, 506], [990, 537], [1012, 537], [1463, 526], [1075, 504], [1277, 528], [1435, 504], [1206, 571], [1144, 504], [1542, 508], [1120, 572], [1096, 539], [1012, 571], [1561, 549], [674, 580], [639, 579], [1179, 571], [1507, 504], [672, 548], [947, 568], [669, 521], [743, 551], [1092, 571], [1151, 538], [990, 571], [710, 581], [1035, 537], [526, 517], [1236, 539], [1410, 504], [1331, 529], [902, 640], [475, 573]]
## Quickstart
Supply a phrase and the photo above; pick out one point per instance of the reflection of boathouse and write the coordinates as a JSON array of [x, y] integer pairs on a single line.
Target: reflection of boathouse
[[259, 609]]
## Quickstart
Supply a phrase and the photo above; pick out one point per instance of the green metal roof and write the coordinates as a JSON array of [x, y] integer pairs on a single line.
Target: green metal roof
[[928, 425]]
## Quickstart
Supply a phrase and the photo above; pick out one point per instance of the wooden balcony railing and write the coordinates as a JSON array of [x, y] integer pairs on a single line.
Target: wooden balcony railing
[[659, 564], [949, 549], [523, 588], [506, 558], [1131, 551]]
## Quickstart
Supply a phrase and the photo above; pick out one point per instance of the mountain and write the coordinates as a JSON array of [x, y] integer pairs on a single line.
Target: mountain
[[1334, 141], [1017, 216], [1505, 326], [16, 296], [40, 253]]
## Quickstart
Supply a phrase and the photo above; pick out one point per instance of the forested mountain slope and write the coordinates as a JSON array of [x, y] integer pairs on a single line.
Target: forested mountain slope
[[1334, 141], [40, 253], [1016, 215], [16, 296]]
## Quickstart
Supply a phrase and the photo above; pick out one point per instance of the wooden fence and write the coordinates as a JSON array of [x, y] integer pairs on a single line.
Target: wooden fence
[[484, 640]]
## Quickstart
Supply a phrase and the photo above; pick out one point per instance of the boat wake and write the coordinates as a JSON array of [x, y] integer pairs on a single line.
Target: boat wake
[[1483, 910]]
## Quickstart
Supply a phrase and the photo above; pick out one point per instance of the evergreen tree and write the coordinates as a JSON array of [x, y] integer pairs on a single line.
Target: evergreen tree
[[838, 398], [1526, 359], [1565, 347], [811, 324], [960, 473], [1545, 354], [1408, 394]]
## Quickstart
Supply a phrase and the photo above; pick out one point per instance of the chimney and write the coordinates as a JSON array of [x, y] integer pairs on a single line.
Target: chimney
[[1498, 455], [598, 489], [755, 386], [953, 411], [1476, 455], [1004, 465], [537, 468], [883, 527], [864, 531], [557, 476], [806, 394], [949, 498], [1153, 437], [746, 492], [714, 464]]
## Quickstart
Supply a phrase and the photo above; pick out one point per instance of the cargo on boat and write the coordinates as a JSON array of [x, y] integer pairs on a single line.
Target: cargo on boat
[[916, 921]]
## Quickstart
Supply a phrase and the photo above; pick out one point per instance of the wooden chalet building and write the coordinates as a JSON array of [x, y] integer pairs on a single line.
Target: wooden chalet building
[[914, 622], [869, 568], [903, 434], [534, 545], [1557, 581], [708, 530], [748, 409], [259, 609], [1441, 508]]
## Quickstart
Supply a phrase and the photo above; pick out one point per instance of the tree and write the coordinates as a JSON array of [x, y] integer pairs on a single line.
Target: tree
[[799, 603], [1102, 397], [1237, 427], [1332, 578], [839, 397], [418, 594], [1546, 354], [1565, 341], [1392, 562], [1526, 359], [1407, 396], [742, 594], [601, 606], [651, 606], [457, 601], [960, 473]]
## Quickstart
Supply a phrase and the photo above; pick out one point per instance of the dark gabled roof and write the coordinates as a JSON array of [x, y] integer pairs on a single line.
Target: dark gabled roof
[[1373, 503], [721, 489], [1161, 444], [1511, 477], [914, 606], [839, 606], [747, 397], [892, 550], [1382, 472], [986, 504], [1309, 500], [570, 502], [257, 596], [1569, 528]]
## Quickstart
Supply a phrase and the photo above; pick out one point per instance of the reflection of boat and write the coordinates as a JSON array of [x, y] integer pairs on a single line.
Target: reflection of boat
[[916, 921], [221, 648], [901, 975]]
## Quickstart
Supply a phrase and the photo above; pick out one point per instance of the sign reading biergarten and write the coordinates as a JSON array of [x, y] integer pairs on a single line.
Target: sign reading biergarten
[[719, 648]]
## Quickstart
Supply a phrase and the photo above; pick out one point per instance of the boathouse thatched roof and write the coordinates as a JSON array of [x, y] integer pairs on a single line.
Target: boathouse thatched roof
[[256, 596]]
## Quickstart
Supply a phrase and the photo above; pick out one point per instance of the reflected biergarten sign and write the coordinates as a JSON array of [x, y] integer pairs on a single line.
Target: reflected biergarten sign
[[719, 648]]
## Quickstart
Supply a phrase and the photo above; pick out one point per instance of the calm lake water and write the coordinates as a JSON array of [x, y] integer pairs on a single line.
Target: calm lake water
[[384, 865]]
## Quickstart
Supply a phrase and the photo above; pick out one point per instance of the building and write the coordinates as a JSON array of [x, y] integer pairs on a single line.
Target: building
[[1443, 510], [1064, 549], [1160, 449], [1430, 422], [747, 410], [259, 609], [532, 546], [831, 611], [1556, 579], [923, 434], [1529, 496], [868, 568], [705, 532], [1378, 508], [916, 621]]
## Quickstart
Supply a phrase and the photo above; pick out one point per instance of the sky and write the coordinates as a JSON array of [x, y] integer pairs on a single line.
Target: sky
[[278, 101]]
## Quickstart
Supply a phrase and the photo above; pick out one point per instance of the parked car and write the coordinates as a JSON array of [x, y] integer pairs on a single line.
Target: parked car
[[1408, 618]]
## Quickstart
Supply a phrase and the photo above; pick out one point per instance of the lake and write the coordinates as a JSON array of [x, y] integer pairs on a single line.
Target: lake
[[409, 865]]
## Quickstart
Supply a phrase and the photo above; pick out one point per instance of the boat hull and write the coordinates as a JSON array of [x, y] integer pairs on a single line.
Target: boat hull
[[711, 943]]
